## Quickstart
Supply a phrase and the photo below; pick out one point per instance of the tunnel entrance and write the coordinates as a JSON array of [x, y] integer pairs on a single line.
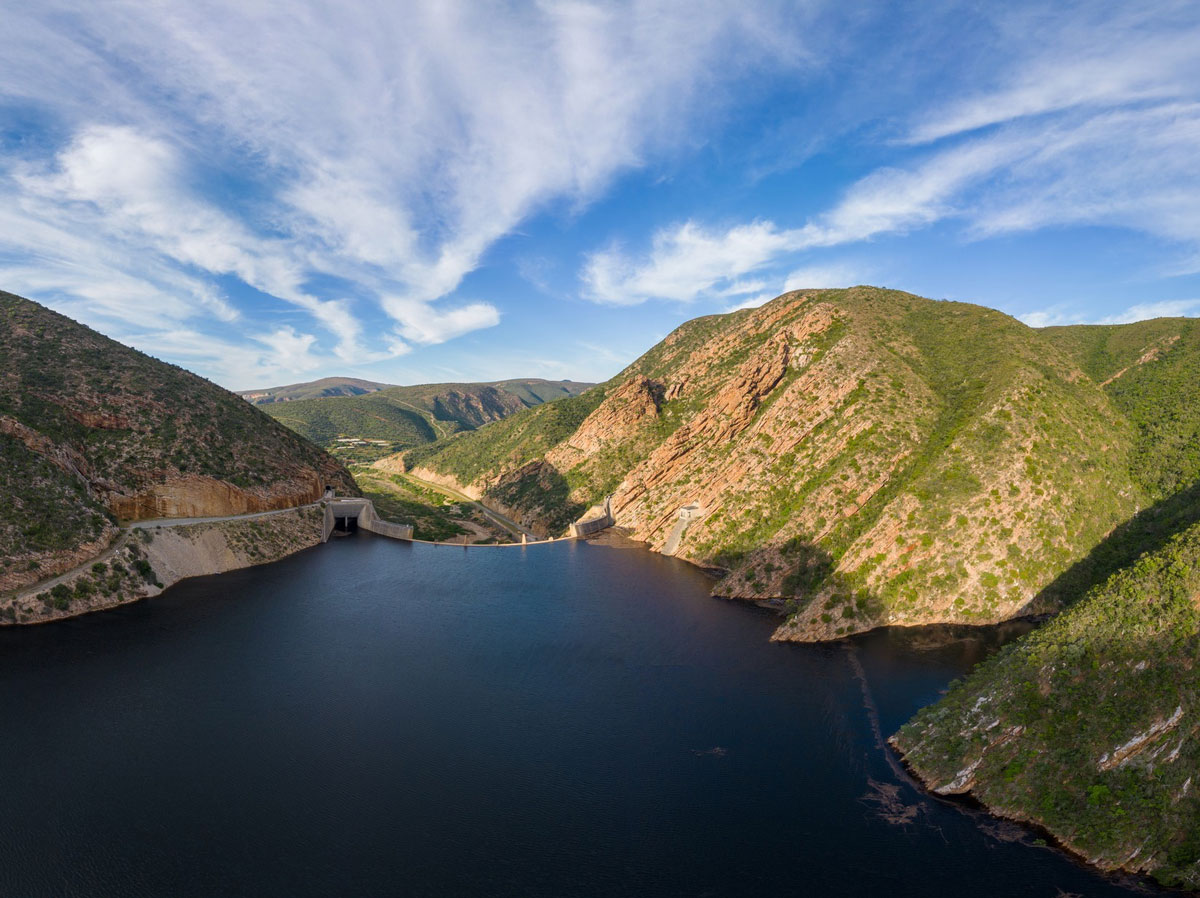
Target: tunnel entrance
[[345, 524]]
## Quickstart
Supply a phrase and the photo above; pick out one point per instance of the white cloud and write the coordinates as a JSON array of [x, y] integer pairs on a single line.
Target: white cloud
[[270, 357], [1171, 308], [1131, 166], [1063, 313], [686, 262], [126, 188], [1137, 53], [387, 145], [1049, 317], [752, 302], [421, 322]]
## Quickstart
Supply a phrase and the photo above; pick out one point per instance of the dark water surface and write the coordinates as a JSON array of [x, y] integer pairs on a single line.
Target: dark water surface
[[379, 719]]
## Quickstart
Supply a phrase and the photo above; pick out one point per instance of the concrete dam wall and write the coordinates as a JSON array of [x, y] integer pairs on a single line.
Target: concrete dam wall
[[362, 513], [594, 525]]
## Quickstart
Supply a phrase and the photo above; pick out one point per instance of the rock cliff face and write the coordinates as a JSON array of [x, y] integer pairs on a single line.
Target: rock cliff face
[[863, 456], [93, 432], [476, 407], [197, 497]]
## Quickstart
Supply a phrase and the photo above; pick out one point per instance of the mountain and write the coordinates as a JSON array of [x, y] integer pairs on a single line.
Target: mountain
[[389, 419], [866, 456], [870, 457], [92, 431], [534, 391], [313, 389], [1088, 727]]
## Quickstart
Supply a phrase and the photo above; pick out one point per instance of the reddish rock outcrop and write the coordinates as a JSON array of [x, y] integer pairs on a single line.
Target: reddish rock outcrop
[[199, 497]]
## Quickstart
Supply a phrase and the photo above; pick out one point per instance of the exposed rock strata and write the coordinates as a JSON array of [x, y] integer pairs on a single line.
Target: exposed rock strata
[[866, 456], [196, 496]]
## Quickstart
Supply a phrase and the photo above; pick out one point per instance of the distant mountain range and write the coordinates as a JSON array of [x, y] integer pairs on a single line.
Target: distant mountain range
[[313, 389], [361, 420]]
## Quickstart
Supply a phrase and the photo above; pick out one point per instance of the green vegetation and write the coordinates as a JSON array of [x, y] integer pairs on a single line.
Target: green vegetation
[[366, 427], [511, 443], [433, 515], [364, 418], [944, 460], [1087, 726], [85, 421], [30, 484], [1046, 718], [324, 388], [921, 461], [1151, 371]]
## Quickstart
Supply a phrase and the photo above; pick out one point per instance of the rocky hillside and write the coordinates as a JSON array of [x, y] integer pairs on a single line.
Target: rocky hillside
[[1089, 726], [92, 431], [866, 456], [379, 422]]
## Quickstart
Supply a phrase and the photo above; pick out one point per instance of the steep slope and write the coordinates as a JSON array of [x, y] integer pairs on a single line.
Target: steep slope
[[402, 417], [1151, 371], [324, 388], [869, 456], [92, 431], [1089, 726]]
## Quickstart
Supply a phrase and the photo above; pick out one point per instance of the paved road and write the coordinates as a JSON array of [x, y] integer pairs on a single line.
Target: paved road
[[122, 538], [183, 522]]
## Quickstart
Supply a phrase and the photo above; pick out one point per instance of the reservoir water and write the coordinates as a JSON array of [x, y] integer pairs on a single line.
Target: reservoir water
[[373, 718]]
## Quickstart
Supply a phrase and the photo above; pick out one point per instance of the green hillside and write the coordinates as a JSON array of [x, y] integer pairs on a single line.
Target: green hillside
[[865, 456], [91, 430], [403, 417], [1151, 371], [1088, 726]]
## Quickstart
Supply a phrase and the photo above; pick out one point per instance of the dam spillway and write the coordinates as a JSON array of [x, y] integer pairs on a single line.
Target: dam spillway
[[354, 513]]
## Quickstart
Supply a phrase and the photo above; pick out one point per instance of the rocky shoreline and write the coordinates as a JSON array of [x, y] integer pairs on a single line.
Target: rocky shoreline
[[142, 563]]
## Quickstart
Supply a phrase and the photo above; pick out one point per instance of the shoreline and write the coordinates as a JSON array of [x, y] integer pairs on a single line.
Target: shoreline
[[145, 561], [969, 803]]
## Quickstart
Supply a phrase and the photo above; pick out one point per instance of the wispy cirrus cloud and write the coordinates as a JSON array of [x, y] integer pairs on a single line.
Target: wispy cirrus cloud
[[1093, 123], [833, 274], [1168, 308], [389, 145], [1065, 313], [1075, 59]]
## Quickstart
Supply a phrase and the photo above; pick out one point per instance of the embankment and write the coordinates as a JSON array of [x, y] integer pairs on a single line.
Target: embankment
[[142, 563]]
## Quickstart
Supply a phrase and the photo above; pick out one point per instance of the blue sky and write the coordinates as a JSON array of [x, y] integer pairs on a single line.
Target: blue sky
[[268, 193]]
